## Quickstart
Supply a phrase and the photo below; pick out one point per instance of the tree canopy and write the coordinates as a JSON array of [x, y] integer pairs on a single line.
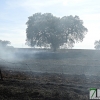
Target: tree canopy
[[46, 29], [4, 43], [97, 44]]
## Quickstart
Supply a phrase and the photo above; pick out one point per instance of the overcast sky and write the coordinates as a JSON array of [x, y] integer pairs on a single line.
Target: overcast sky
[[14, 15]]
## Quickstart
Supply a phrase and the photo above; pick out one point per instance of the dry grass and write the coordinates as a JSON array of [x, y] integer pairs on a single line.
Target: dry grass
[[41, 86]]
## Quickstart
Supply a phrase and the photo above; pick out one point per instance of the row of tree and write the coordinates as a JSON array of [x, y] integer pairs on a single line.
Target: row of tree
[[46, 30], [5, 43]]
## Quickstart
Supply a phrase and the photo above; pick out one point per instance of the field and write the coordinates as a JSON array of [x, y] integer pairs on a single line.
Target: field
[[66, 75], [43, 86]]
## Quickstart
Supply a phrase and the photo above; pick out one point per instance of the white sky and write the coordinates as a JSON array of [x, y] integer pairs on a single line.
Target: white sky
[[14, 15]]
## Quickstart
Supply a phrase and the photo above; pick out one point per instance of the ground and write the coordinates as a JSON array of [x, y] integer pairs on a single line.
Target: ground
[[45, 86], [50, 76]]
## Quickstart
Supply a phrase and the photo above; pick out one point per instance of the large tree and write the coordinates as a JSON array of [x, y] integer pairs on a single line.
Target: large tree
[[46, 29], [97, 44]]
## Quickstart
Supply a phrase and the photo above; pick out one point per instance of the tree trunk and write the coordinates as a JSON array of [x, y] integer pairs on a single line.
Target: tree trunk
[[1, 75]]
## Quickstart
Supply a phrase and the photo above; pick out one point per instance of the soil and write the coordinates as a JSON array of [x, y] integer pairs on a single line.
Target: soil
[[46, 86]]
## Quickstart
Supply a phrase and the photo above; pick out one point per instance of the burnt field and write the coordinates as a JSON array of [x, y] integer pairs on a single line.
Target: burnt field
[[45, 86], [64, 61], [64, 75]]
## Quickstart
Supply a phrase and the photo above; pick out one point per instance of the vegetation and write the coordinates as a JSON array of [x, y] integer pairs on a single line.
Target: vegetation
[[48, 30], [97, 45], [40, 86], [4, 43]]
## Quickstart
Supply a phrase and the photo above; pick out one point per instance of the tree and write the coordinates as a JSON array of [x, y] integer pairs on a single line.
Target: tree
[[4, 43], [97, 45], [47, 29]]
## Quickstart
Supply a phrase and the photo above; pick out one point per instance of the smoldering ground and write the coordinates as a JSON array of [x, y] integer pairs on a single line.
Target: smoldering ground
[[63, 61], [75, 70]]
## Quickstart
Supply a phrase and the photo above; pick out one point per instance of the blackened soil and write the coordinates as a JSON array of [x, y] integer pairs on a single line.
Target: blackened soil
[[46, 86]]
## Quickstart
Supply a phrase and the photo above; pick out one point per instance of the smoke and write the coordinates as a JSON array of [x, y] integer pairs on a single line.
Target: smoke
[[39, 60], [21, 59], [11, 58]]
